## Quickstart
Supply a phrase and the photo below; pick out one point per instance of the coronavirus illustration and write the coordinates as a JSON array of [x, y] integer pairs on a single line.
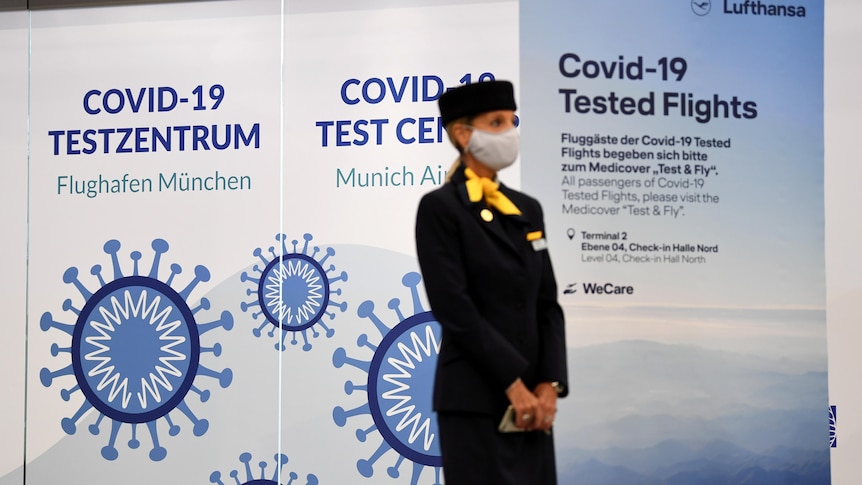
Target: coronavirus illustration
[[136, 349], [399, 380], [276, 477], [293, 291]]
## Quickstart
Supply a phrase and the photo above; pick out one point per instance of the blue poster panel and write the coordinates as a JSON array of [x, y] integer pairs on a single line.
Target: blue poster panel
[[677, 148]]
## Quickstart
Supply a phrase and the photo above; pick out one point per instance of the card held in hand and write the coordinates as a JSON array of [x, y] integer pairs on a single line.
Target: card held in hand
[[507, 424]]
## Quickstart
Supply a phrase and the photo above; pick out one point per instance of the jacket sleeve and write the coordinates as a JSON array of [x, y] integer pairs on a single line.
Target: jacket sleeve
[[439, 241], [552, 364]]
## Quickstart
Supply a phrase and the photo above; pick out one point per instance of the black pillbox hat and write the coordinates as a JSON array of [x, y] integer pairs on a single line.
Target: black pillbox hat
[[476, 98]]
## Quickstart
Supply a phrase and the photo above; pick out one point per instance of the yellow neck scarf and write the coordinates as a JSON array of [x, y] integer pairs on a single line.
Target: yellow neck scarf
[[479, 187]]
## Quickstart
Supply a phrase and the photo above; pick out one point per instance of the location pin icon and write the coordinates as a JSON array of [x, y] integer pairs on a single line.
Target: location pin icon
[[571, 233]]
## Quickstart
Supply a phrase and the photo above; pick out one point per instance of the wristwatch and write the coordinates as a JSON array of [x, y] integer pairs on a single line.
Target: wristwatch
[[558, 387]]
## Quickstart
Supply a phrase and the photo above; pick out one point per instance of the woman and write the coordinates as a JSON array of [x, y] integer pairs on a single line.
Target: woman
[[489, 281]]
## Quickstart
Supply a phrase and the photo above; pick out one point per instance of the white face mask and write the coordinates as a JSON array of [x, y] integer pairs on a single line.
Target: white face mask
[[495, 150]]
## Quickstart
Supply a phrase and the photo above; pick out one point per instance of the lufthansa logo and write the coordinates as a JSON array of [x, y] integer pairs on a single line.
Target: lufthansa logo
[[701, 7]]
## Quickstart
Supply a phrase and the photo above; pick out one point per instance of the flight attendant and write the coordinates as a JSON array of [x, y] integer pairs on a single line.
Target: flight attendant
[[485, 265]]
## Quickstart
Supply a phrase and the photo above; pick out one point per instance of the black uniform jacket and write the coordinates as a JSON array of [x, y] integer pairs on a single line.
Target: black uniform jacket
[[491, 286]]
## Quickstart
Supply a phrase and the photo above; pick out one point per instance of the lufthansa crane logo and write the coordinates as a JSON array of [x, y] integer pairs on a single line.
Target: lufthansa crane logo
[[701, 7]]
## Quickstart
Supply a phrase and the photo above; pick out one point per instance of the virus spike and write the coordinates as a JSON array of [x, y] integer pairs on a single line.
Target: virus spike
[[160, 246], [257, 331], [362, 434], [175, 270], [282, 238], [56, 349], [215, 477], [393, 470], [224, 377], [134, 443], [308, 239], [204, 305], [366, 310], [341, 277], [246, 277], [329, 331], [281, 346], [71, 276], [340, 357], [68, 424], [225, 321], [47, 377], [437, 475], [394, 304], [200, 425], [363, 341], [94, 428], [158, 453], [306, 346], [245, 459], [340, 415], [204, 394], [47, 322], [366, 467], [414, 476], [67, 306], [96, 271], [109, 451], [173, 428], [351, 386], [340, 305], [215, 349], [280, 461], [66, 394], [202, 275], [135, 256], [411, 280], [244, 306], [329, 252], [111, 248], [259, 253]]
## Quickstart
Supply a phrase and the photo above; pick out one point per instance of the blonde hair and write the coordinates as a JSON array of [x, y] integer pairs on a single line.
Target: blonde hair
[[464, 120]]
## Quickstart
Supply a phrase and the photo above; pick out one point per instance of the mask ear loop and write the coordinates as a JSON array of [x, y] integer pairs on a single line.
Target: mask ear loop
[[457, 161]]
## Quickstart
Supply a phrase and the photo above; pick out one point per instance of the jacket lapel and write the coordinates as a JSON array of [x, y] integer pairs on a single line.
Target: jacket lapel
[[490, 220]]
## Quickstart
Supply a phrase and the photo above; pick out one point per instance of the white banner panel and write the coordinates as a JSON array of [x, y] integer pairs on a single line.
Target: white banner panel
[[363, 143], [155, 140]]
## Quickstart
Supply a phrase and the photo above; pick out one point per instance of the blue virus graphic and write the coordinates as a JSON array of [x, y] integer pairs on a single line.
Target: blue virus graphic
[[135, 349], [293, 290], [833, 419], [278, 473], [399, 384]]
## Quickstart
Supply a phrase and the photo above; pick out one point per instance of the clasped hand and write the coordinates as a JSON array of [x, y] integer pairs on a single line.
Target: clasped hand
[[534, 410]]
